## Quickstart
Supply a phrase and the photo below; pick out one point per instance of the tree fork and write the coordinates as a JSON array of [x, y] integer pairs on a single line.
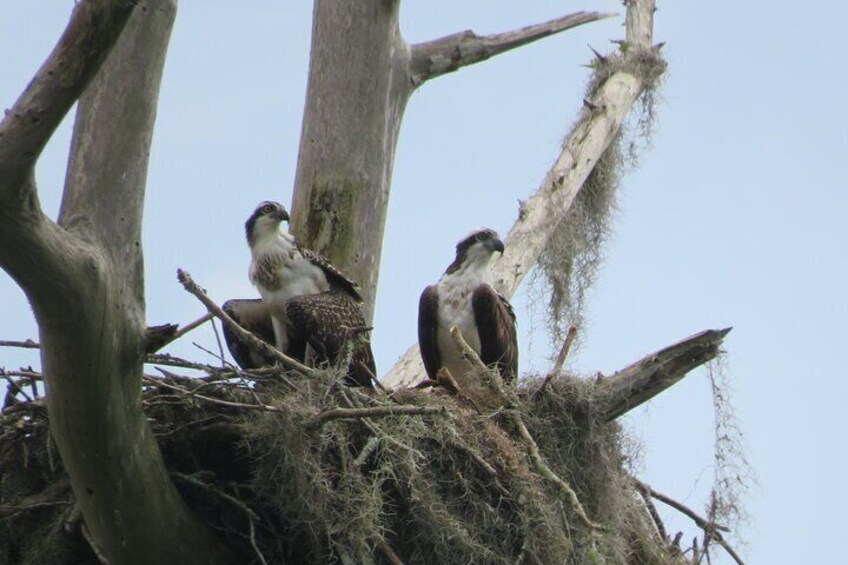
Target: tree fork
[[354, 109], [84, 277]]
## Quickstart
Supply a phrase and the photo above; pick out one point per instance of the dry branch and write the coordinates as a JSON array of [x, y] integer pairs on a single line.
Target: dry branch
[[447, 54], [171, 333], [560, 360], [373, 412], [542, 468], [28, 344], [193, 394], [712, 531], [482, 386], [542, 213], [654, 373], [244, 335]]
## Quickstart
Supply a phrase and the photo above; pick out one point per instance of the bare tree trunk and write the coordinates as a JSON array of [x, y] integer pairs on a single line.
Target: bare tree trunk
[[361, 76], [84, 277]]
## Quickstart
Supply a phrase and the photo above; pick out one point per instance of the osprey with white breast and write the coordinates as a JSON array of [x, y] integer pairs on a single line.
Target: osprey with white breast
[[313, 305], [463, 298]]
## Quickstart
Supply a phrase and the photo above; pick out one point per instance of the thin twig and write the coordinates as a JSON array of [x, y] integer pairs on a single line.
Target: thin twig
[[252, 517], [28, 344], [373, 427], [244, 335], [655, 516], [560, 360], [171, 361], [485, 465], [229, 366], [191, 325], [231, 404], [702, 523], [220, 344], [373, 412]]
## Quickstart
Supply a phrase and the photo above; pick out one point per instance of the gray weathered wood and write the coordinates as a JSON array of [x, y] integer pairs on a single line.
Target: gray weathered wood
[[646, 378], [447, 54], [84, 278]]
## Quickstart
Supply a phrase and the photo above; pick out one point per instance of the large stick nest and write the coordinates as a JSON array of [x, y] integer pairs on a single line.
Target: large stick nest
[[449, 486]]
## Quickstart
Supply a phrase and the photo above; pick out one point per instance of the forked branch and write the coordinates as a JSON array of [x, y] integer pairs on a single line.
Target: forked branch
[[711, 530]]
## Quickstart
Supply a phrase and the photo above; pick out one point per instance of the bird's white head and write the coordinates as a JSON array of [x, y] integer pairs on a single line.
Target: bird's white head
[[475, 250], [265, 221]]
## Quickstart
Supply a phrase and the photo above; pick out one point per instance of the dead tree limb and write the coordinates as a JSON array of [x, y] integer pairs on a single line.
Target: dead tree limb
[[597, 126], [157, 338], [447, 54], [654, 373]]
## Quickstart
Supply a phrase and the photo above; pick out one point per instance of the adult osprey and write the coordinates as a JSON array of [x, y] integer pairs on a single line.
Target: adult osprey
[[464, 299], [311, 303]]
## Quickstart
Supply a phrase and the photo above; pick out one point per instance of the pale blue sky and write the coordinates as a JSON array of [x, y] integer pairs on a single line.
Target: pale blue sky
[[733, 218]]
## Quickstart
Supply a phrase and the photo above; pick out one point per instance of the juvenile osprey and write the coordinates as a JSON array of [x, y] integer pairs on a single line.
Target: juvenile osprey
[[464, 299], [253, 315], [311, 303]]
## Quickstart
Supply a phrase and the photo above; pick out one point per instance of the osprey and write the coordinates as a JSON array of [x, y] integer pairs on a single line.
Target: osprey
[[253, 315], [464, 299], [315, 310]]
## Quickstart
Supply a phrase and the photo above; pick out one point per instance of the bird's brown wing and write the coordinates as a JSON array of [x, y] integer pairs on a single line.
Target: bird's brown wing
[[428, 325], [252, 315], [329, 321], [335, 277], [495, 321]]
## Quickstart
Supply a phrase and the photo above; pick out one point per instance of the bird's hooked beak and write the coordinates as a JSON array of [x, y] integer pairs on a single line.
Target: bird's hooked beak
[[495, 244], [282, 215]]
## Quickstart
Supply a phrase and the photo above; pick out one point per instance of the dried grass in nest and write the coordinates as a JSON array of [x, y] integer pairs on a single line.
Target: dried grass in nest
[[452, 486]]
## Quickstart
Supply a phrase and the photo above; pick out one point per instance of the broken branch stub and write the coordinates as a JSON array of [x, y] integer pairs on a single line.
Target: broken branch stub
[[654, 373]]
